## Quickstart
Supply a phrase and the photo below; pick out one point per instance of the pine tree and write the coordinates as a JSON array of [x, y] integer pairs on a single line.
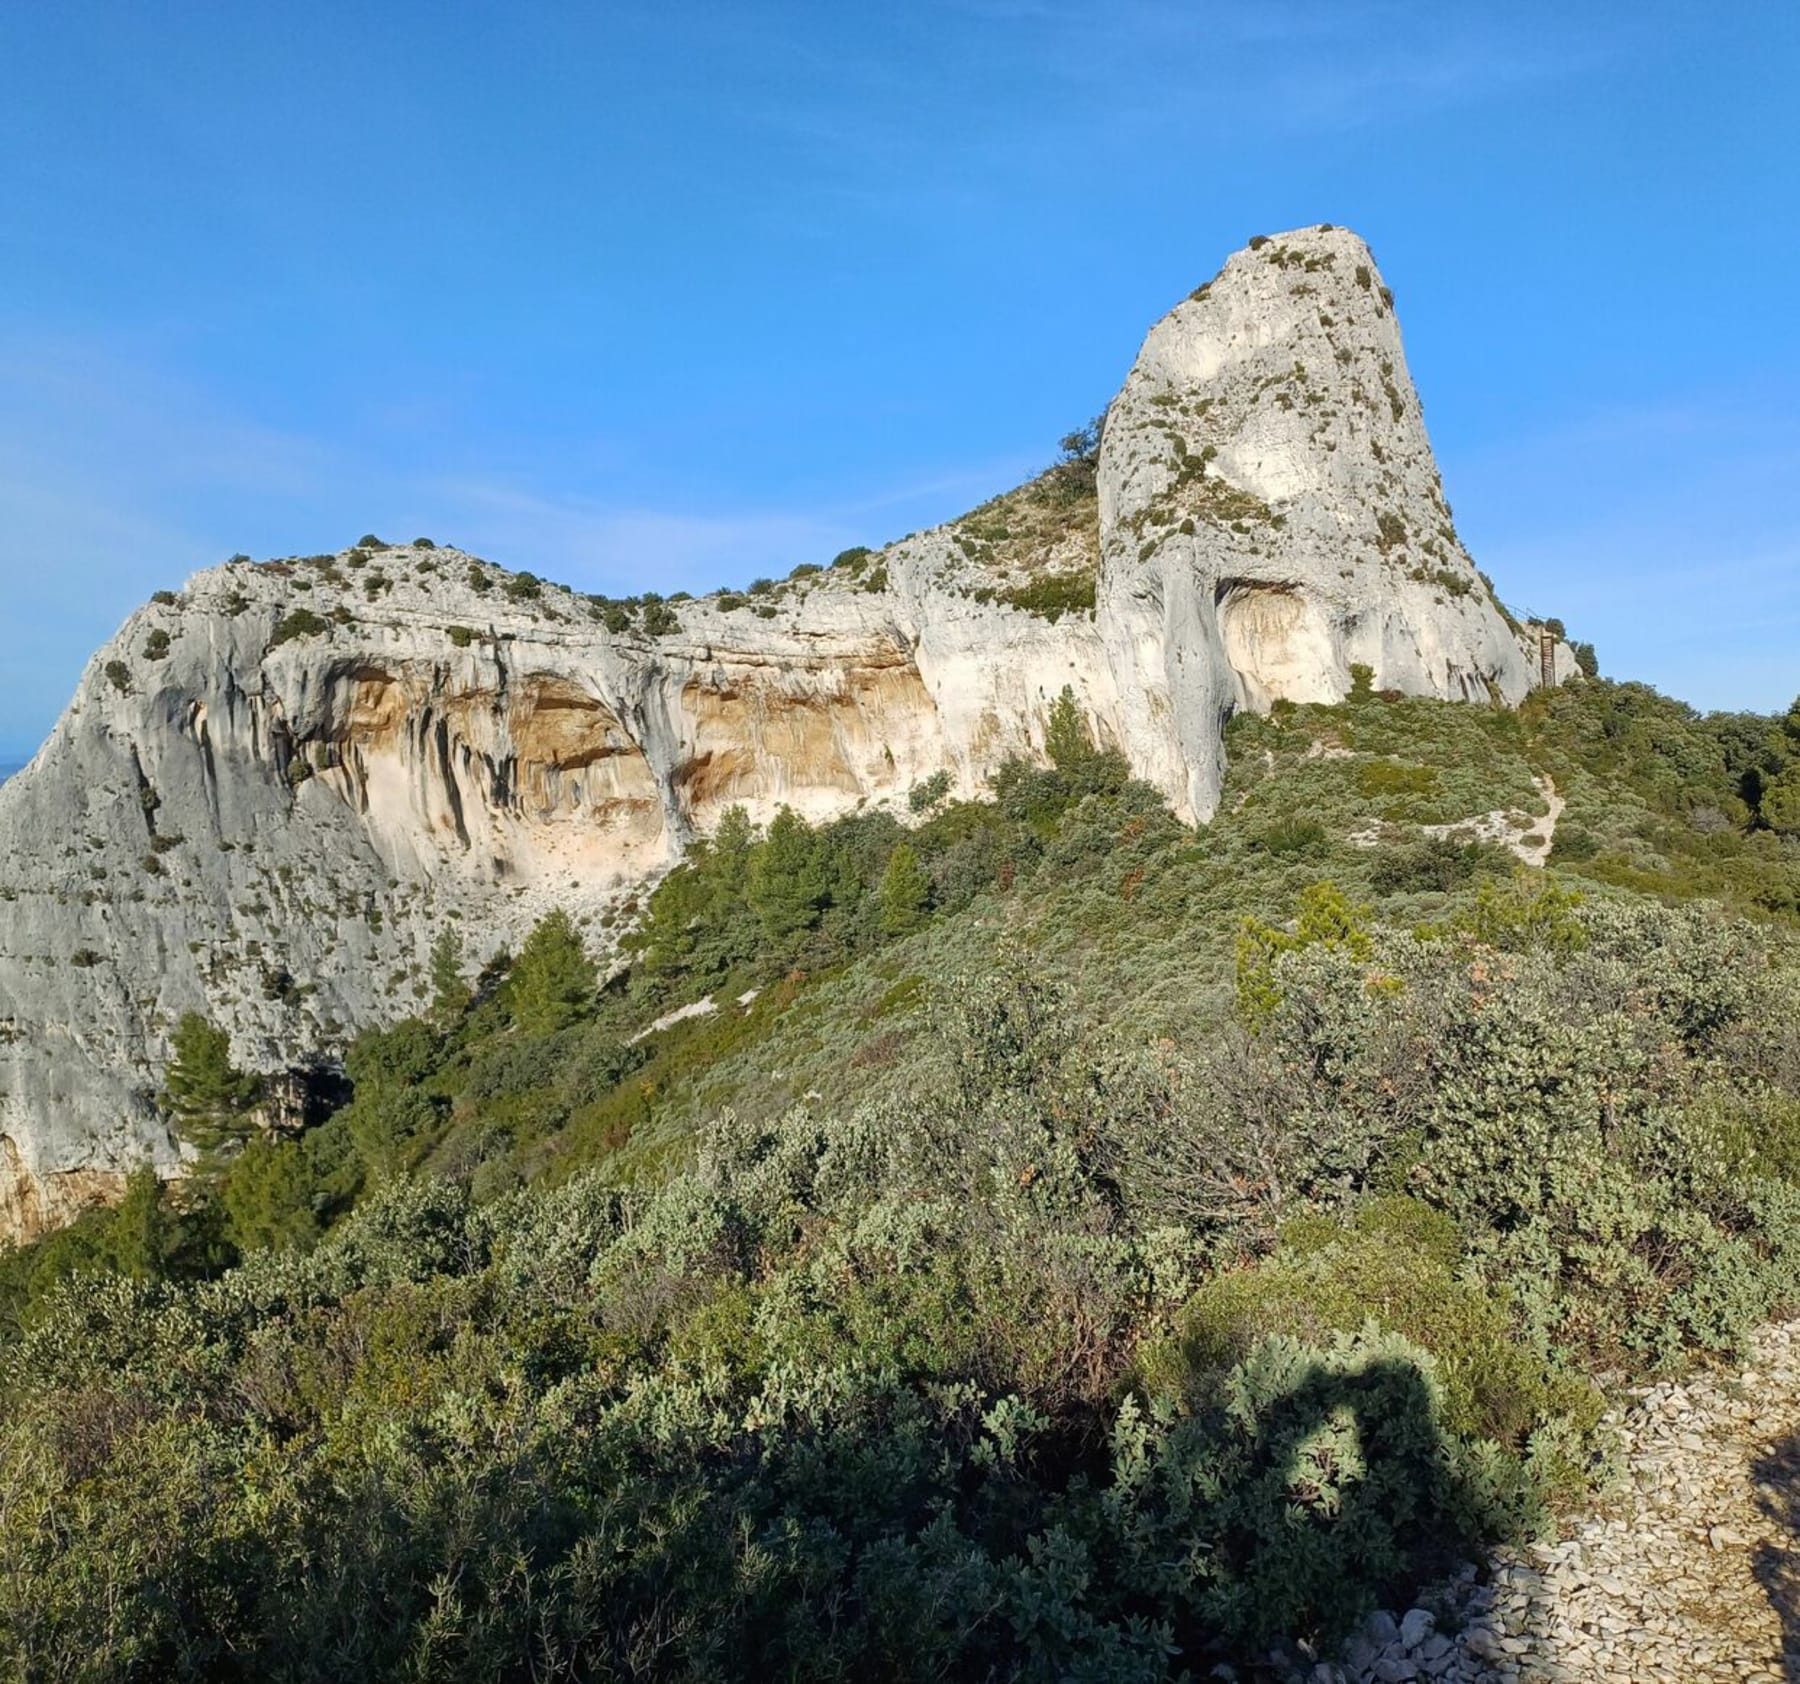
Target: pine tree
[[449, 992], [206, 1094], [139, 1237], [552, 982], [787, 887], [728, 858], [697, 919], [904, 896], [268, 1197], [1066, 737]]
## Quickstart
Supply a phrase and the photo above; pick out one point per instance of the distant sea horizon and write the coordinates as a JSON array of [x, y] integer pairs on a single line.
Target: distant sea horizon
[[8, 767]]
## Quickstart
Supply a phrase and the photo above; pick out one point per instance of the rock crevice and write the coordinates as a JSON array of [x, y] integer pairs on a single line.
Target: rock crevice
[[326, 759]]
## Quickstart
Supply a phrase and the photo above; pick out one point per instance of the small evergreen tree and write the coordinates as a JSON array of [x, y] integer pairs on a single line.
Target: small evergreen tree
[[1066, 737], [1324, 917], [905, 893], [552, 982], [729, 854], [449, 992], [139, 1237], [787, 886], [268, 1197], [206, 1094], [926, 794], [1083, 441], [698, 920]]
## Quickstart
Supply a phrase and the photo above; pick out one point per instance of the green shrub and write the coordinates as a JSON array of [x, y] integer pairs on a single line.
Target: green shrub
[[300, 622], [460, 636], [1384, 777], [1053, 595], [1394, 1265], [659, 620], [928, 792], [1293, 839], [1438, 863]]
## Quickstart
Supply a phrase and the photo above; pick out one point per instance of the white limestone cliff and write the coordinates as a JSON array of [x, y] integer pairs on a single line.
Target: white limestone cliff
[[1271, 514], [274, 788]]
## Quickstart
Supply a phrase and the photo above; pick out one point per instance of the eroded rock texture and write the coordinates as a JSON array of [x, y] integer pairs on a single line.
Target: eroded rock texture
[[272, 790]]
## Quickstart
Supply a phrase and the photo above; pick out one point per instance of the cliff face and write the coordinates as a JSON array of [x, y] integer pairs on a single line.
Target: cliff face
[[272, 790], [1271, 514]]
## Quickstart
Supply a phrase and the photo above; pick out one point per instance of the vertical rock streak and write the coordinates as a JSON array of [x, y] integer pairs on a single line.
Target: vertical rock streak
[[306, 771]]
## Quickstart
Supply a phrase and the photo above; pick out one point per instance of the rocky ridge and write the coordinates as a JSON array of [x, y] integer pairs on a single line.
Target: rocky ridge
[[274, 787]]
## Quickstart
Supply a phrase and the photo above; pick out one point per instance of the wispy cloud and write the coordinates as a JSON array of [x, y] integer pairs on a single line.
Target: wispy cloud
[[601, 546], [1297, 65], [625, 548], [118, 478]]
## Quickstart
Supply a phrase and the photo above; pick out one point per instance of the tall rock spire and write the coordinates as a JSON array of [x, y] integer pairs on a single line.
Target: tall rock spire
[[1271, 515]]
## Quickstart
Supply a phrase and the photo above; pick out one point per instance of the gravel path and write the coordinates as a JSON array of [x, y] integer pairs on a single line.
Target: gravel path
[[1687, 1573], [1528, 838], [1532, 845]]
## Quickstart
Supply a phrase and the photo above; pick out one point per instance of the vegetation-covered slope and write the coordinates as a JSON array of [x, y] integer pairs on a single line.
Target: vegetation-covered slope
[[1071, 1246]]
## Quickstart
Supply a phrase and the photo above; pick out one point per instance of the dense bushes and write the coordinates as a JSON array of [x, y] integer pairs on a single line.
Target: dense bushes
[[1069, 1246], [982, 1379], [300, 622], [578, 1431]]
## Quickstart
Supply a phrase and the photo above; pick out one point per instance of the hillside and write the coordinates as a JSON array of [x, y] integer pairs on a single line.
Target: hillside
[[277, 783], [1073, 1245]]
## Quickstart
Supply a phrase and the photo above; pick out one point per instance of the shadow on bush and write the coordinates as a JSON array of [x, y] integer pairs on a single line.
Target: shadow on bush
[[856, 1526]]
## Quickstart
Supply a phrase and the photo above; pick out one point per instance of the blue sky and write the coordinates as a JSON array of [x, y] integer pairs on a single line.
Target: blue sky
[[669, 295]]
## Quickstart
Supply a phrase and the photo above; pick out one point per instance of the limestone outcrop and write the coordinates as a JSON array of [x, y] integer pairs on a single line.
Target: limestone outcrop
[[273, 788], [1271, 514]]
